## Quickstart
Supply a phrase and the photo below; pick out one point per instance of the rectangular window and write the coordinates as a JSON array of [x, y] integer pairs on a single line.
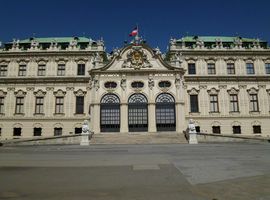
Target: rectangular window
[[78, 130], [19, 105], [17, 131], [234, 107], [257, 129], [39, 105], [216, 129], [37, 131], [214, 103], [0, 132], [1, 105], [81, 69], [191, 68], [79, 104], [267, 68], [236, 129], [41, 70], [61, 70], [22, 70], [194, 107], [230, 68], [59, 105], [250, 68], [254, 104], [211, 68], [198, 129], [57, 131], [3, 70]]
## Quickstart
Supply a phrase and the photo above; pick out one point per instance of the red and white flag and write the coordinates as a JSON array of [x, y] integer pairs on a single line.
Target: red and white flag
[[134, 32]]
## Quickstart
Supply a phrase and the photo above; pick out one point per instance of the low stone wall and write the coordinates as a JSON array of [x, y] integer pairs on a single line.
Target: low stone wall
[[56, 140], [206, 137]]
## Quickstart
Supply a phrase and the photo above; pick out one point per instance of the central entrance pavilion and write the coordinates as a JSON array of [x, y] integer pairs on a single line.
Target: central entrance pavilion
[[136, 91]]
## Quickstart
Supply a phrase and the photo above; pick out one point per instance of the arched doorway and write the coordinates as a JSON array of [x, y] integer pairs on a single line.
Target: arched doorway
[[110, 113], [165, 112], [137, 113]]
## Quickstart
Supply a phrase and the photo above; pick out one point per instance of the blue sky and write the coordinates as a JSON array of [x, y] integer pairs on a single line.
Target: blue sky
[[158, 20]]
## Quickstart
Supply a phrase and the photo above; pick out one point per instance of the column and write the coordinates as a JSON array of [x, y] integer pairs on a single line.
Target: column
[[96, 118], [152, 128], [124, 118]]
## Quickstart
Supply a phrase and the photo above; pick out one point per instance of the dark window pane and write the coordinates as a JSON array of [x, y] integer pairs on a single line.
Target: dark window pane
[[191, 68], [194, 107]]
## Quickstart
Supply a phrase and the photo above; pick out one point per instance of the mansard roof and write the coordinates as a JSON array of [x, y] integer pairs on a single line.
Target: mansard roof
[[215, 38], [53, 39]]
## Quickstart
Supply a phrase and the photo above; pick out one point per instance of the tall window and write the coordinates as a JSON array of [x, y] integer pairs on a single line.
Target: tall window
[[22, 70], [81, 69], [1, 105], [79, 104], [41, 70], [39, 105], [59, 105], [214, 103], [19, 105], [234, 107], [194, 107], [78, 130], [211, 68], [0, 132], [57, 131], [191, 68], [230, 68], [61, 70], [236, 129], [254, 104], [250, 68], [267, 68], [3, 70]]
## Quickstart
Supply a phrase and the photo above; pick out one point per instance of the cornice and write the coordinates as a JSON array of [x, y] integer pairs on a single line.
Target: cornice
[[226, 78], [44, 80]]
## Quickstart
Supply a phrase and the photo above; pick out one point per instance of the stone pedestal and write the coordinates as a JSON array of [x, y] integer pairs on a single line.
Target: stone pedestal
[[192, 138], [85, 139]]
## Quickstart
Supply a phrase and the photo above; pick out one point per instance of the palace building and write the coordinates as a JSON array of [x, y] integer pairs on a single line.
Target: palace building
[[49, 86]]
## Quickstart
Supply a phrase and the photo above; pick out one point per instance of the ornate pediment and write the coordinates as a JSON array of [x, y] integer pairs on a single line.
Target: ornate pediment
[[136, 59]]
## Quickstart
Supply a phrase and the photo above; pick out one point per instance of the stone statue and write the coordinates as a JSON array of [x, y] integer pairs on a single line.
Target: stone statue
[[151, 82], [96, 83], [157, 51], [85, 134], [177, 80], [85, 127], [123, 82], [192, 132]]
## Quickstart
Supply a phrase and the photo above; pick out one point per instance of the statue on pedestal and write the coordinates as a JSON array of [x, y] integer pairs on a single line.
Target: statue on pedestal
[[85, 134], [192, 133]]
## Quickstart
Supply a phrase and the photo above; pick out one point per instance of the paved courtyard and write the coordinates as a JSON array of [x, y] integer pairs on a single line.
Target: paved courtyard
[[136, 172]]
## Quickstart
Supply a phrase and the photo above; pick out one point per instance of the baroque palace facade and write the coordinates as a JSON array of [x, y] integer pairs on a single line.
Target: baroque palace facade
[[48, 86]]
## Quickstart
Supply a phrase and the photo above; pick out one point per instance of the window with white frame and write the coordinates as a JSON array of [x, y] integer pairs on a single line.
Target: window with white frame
[[211, 68], [214, 103], [22, 70], [41, 70], [61, 68], [2, 105], [250, 68], [230, 68], [234, 105], [3, 70], [267, 68]]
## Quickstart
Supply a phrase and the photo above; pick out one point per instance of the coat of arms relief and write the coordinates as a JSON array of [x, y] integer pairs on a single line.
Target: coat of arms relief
[[136, 59]]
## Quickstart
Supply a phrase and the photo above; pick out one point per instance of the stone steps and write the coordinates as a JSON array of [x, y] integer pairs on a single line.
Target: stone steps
[[139, 138]]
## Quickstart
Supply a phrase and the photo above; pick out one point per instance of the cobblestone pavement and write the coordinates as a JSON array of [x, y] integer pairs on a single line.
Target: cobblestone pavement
[[136, 172]]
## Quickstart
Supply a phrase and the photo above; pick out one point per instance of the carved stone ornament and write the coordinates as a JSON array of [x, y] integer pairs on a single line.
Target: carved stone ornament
[[2, 93], [177, 81], [151, 82], [96, 83], [40, 93], [59, 93], [136, 59], [20, 93], [79, 93], [123, 83]]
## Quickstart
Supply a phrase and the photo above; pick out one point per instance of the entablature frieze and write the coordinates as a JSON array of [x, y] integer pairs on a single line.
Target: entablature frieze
[[209, 79]]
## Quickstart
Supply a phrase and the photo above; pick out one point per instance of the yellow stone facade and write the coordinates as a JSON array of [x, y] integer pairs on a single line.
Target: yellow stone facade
[[25, 87]]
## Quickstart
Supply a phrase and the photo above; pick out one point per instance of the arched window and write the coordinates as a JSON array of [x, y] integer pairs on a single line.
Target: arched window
[[110, 113], [137, 113], [137, 84], [164, 84], [165, 112], [110, 85]]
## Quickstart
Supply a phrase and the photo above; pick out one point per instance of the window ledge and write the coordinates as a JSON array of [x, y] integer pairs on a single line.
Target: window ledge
[[19, 114], [39, 114], [79, 114], [2, 114], [59, 114], [194, 113], [254, 112]]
